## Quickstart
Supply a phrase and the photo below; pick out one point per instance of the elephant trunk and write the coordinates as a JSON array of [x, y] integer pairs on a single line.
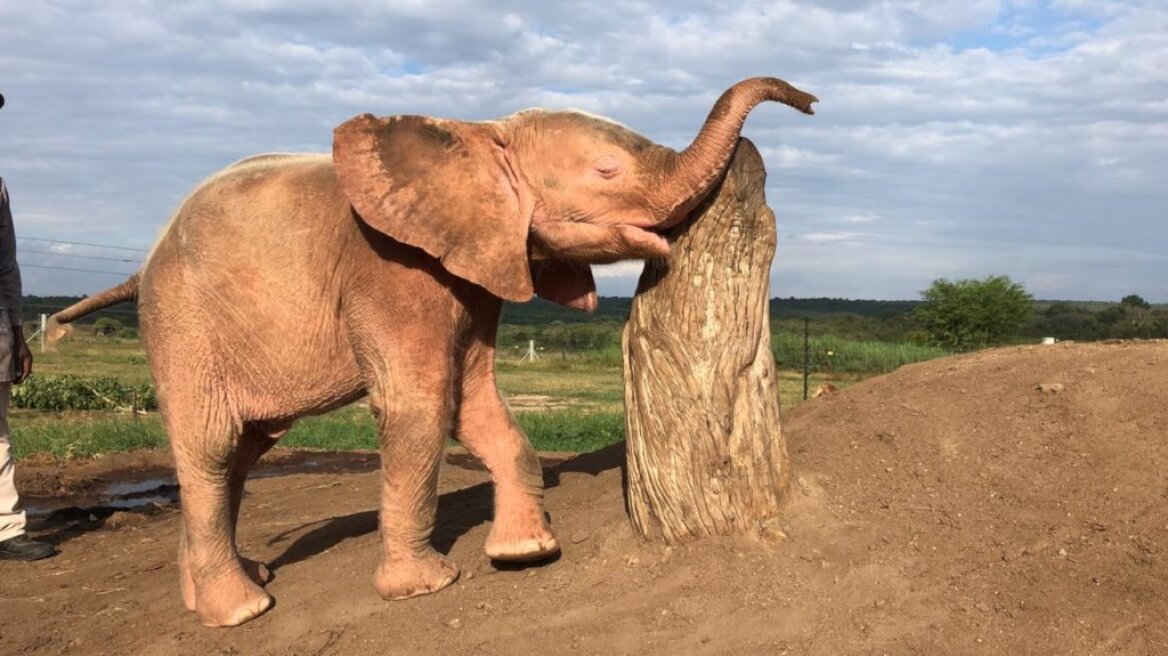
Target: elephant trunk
[[692, 173]]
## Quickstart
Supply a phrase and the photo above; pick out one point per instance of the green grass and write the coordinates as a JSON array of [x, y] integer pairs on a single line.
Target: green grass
[[352, 428], [834, 354], [573, 402], [94, 357], [572, 431], [587, 384], [77, 435], [67, 435], [347, 429]]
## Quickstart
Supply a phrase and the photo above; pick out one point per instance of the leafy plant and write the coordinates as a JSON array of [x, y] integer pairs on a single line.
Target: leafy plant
[[835, 354], [107, 326], [69, 392], [971, 314]]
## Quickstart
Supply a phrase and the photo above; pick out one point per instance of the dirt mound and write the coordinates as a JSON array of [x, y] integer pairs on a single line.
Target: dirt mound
[[1010, 501]]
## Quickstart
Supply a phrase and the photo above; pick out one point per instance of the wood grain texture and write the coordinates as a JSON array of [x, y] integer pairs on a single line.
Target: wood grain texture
[[706, 454]]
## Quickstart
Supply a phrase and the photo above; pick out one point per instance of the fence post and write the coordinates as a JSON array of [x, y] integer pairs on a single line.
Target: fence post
[[806, 355], [44, 324]]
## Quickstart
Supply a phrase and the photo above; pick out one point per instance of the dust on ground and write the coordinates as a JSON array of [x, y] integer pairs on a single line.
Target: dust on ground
[[1010, 501]]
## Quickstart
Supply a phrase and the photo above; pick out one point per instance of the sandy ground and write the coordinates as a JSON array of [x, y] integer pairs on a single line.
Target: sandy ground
[[952, 507]]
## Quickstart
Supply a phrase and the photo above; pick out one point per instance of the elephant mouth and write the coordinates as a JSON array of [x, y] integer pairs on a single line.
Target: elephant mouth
[[595, 244], [654, 241]]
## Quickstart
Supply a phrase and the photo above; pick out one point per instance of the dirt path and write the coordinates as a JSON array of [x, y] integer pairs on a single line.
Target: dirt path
[[950, 507]]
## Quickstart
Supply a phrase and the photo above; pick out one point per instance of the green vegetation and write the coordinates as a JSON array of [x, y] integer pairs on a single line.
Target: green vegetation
[[563, 403], [571, 431], [107, 326], [89, 356], [353, 428], [580, 382], [831, 354], [601, 339], [70, 392], [562, 332], [571, 399], [972, 314], [1136, 301], [1131, 318], [33, 306], [81, 434]]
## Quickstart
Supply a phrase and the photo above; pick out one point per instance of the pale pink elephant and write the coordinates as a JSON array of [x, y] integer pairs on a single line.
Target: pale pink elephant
[[290, 285]]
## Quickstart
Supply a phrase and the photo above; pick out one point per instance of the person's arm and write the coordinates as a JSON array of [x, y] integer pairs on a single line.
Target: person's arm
[[23, 355], [10, 288]]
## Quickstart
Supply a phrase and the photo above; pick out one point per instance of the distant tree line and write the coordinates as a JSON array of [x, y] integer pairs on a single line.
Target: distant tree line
[[951, 314], [1131, 318], [560, 336], [616, 309], [126, 314]]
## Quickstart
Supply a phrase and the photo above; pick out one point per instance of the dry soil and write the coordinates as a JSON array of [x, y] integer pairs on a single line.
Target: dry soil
[[1013, 501]]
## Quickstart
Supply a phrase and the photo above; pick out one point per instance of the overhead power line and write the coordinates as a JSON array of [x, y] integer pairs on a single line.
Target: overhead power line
[[82, 243], [89, 257], [56, 268]]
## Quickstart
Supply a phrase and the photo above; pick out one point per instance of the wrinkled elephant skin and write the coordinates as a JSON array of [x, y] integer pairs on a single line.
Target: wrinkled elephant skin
[[290, 285]]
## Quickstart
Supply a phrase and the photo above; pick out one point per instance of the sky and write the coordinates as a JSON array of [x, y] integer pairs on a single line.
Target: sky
[[953, 138]]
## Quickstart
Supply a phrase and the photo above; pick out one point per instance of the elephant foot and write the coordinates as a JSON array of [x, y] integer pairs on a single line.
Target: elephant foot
[[521, 538], [403, 578], [230, 600], [255, 570]]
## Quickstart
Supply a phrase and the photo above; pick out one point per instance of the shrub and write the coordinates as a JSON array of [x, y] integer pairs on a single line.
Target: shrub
[[107, 326], [54, 393], [972, 314]]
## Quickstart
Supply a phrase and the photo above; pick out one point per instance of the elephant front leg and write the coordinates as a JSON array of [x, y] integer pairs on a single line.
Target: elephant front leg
[[520, 532], [413, 431]]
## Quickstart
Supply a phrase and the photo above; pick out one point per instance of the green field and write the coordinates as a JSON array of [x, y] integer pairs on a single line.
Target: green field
[[564, 402]]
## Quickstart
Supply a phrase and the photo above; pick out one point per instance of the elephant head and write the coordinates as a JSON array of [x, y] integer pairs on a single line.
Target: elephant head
[[523, 205]]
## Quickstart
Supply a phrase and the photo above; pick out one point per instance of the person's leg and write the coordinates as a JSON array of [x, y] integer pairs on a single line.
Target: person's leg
[[11, 519], [14, 545]]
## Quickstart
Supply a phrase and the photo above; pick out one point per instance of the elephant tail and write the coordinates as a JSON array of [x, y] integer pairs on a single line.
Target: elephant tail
[[56, 327]]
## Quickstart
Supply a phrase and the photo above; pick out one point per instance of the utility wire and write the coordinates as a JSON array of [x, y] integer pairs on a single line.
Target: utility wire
[[81, 243], [56, 268], [62, 307], [90, 257]]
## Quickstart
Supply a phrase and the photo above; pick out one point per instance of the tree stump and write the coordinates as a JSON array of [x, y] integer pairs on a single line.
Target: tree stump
[[706, 454]]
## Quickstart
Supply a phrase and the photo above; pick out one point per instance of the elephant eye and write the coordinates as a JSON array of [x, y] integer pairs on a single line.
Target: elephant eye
[[607, 167]]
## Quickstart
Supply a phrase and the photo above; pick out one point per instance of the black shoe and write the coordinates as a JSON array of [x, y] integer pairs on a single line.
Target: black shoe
[[23, 547]]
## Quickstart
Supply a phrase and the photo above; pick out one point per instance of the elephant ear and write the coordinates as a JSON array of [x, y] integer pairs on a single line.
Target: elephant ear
[[442, 186], [566, 283]]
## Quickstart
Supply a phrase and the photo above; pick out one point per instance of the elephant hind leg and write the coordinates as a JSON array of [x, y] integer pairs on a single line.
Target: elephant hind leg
[[254, 442], [209, 449]]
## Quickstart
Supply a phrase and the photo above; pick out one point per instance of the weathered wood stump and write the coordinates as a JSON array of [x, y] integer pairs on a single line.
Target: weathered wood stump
[[706, 454]]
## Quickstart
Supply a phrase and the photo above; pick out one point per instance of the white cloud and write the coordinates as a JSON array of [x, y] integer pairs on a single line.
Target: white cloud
[[961, 125], [623, 270], [831, 237]]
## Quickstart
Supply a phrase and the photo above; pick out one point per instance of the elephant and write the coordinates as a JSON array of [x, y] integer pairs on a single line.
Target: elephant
[[289, 285]]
